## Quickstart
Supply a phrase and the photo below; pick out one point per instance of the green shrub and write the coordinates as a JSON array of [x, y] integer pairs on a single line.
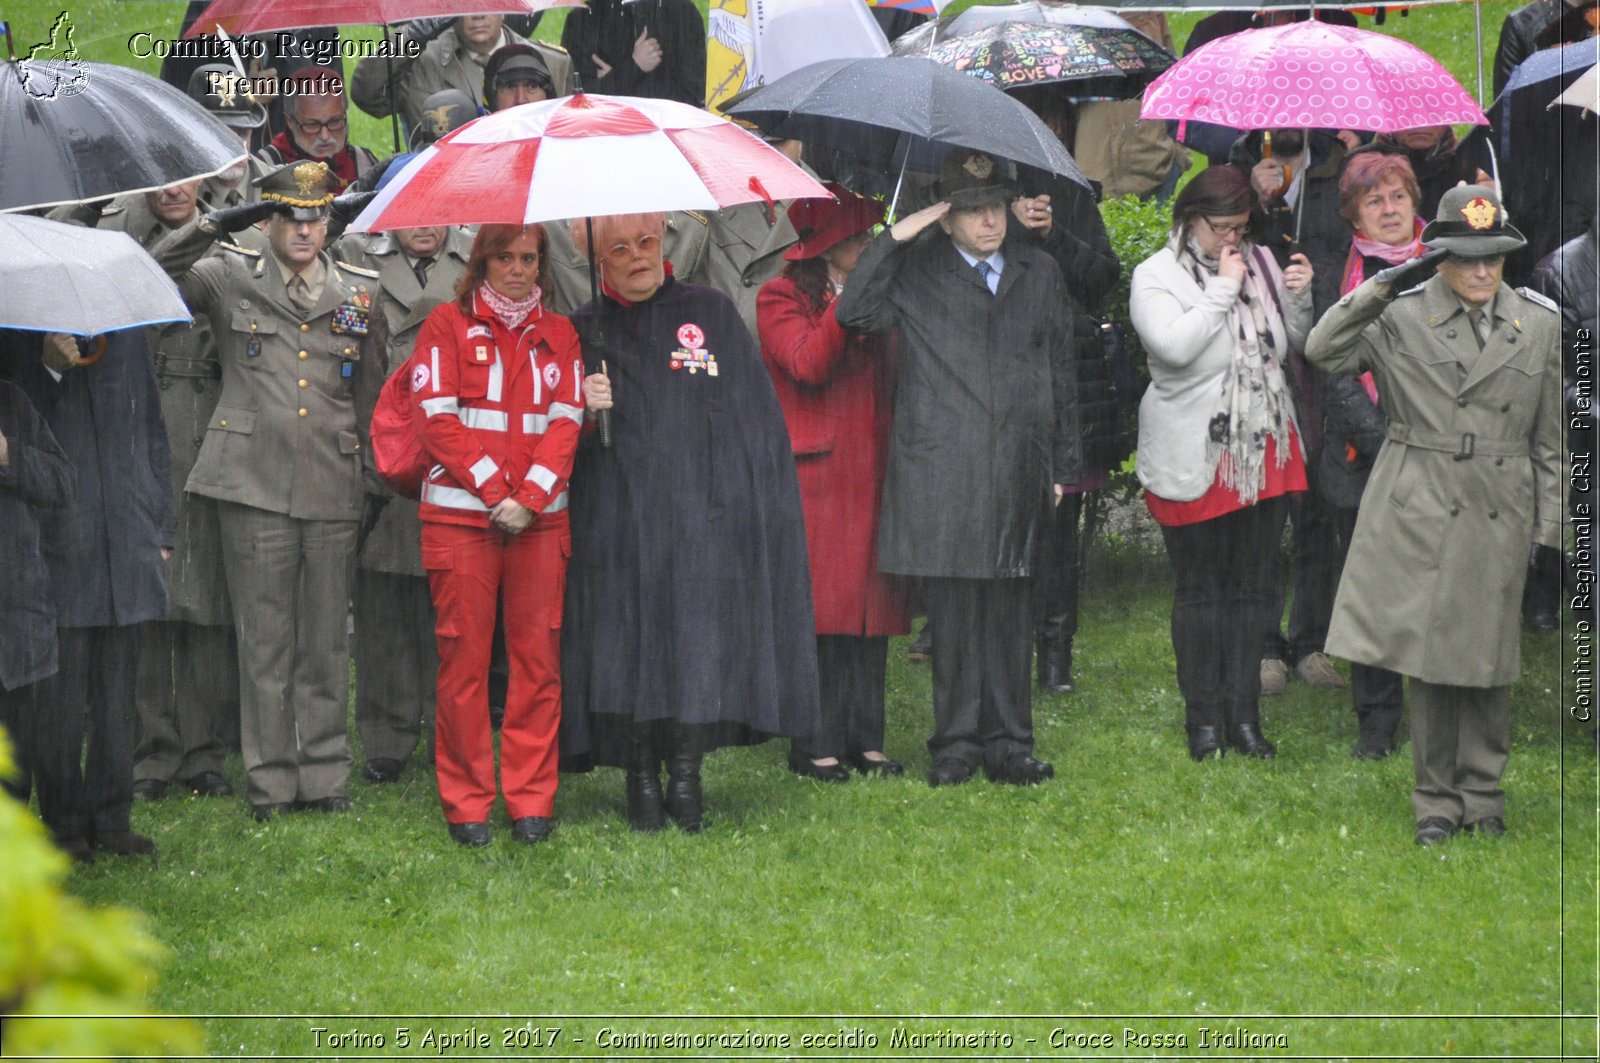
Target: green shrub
[[73, 979]]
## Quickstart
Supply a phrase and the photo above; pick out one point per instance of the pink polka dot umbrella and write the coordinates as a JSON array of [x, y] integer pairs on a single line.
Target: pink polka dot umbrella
[[1310, 75]]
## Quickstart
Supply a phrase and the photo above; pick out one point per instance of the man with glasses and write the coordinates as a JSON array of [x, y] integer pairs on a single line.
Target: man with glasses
[[986, 436], [1469, 371], [317, 130]]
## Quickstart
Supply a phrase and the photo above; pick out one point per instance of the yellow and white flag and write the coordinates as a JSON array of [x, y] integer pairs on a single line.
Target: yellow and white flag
[[750, 42]]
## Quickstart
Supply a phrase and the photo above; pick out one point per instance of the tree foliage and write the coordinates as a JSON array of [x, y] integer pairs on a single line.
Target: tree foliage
[[74, 980]]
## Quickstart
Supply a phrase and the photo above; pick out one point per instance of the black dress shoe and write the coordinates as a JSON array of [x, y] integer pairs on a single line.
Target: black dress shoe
[[324, 804], [949, 771], [263, 813], [807, 768], [149, 789], [124, 843], [1248, 739], [1020, 769], [474, 835], [532, 829], [209, 784], [684, 800], [382, 770], [884, 766], [1488, 826], [1433, 830], [1205, 742]]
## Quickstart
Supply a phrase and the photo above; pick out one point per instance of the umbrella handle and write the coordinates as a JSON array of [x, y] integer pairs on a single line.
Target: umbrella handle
[[98, 345], [602, 418]]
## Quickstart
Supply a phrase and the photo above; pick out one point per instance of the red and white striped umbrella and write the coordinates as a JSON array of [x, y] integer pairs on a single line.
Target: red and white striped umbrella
[[1311, 75], [585, 156]]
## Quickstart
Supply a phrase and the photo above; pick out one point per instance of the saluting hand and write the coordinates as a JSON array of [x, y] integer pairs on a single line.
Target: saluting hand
[[912, 224]]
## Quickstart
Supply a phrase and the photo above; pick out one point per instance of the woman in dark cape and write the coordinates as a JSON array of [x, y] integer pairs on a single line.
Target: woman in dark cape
[[688, 622]]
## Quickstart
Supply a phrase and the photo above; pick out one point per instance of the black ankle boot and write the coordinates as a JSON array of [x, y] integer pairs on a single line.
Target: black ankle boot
[[1205, 742], [1248, 739], [1054, 656], [684, 799], [645, 809]]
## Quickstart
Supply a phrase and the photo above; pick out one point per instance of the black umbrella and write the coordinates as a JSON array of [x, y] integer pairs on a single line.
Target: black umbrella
[[72, 130], [903, 113]]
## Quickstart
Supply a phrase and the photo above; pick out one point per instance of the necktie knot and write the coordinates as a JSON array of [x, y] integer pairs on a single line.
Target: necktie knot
[[985, 270], [300, 292], [1475, 317], [420, 267]]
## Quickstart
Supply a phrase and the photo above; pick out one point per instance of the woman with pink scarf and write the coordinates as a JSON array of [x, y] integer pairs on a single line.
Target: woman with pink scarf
[[1378, 196]]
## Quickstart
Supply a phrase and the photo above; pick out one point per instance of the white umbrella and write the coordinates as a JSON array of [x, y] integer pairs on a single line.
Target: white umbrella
[[56, 277]]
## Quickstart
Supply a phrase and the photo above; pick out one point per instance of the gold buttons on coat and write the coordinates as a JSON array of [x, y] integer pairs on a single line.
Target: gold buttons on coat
[[303, 383], [222, 423], [305, 327], [302, 411]]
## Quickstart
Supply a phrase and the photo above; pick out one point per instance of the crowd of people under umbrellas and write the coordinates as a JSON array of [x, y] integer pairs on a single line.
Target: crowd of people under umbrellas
[[819, 423]]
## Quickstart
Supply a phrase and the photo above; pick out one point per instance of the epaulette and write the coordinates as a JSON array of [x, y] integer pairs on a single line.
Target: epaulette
[[111, 210], [552, 47], [358, 270], [1540, 298], [236, 249], [697, 216], [1411, 291]]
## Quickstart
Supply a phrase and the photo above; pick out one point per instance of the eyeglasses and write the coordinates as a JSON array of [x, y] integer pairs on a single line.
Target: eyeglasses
[[1227, 230], [621, 254], [332, 125]]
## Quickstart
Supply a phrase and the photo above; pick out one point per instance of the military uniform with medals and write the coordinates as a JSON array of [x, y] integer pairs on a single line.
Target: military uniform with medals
[[284, 457]]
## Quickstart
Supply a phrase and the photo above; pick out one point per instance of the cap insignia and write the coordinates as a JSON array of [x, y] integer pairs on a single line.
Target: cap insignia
[[979, 166], [1479, 213]]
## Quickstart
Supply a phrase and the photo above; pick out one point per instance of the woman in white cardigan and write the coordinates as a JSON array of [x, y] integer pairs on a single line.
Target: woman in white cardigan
[[1219, 451]]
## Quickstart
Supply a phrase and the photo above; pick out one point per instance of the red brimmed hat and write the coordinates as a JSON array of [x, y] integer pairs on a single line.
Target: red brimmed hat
[[823, 223]]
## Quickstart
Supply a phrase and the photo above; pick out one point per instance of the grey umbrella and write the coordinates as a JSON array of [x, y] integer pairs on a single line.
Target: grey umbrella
[[56, 277], [72, 130], [902, 112]]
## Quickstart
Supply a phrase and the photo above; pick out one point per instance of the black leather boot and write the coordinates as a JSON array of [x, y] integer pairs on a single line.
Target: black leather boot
[[1248, 739], [1054, 658], [684, 799], [1204, 724], [646, 811]]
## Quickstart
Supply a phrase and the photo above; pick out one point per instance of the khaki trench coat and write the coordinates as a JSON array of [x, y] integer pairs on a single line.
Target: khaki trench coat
[[1470, 476]]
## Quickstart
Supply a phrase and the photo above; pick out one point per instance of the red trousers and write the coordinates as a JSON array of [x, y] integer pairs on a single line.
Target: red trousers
[[469, 570]]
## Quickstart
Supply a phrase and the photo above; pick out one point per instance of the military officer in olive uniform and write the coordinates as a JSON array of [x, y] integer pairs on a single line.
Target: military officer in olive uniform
[[1470, 374], [397, 654], [284, 457]]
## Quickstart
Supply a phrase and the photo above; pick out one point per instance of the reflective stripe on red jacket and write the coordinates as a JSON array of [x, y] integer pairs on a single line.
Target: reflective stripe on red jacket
[[500, 409]]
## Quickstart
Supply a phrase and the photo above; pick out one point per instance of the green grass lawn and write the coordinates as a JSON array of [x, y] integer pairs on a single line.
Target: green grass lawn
[[1138, 891], [1285, 897]]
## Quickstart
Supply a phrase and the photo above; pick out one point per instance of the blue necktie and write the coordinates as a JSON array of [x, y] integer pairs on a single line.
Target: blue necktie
[[984, 269]]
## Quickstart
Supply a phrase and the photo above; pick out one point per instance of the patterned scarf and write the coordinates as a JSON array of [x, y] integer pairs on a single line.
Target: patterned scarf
[[511, 311], [1254, 404]]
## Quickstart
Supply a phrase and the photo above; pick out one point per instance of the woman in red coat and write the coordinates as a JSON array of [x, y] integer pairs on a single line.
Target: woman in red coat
[[497, 381], [836, 389]]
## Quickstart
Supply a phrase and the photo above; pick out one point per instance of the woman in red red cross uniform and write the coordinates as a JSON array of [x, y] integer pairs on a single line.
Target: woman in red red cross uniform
[[497, 382]]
